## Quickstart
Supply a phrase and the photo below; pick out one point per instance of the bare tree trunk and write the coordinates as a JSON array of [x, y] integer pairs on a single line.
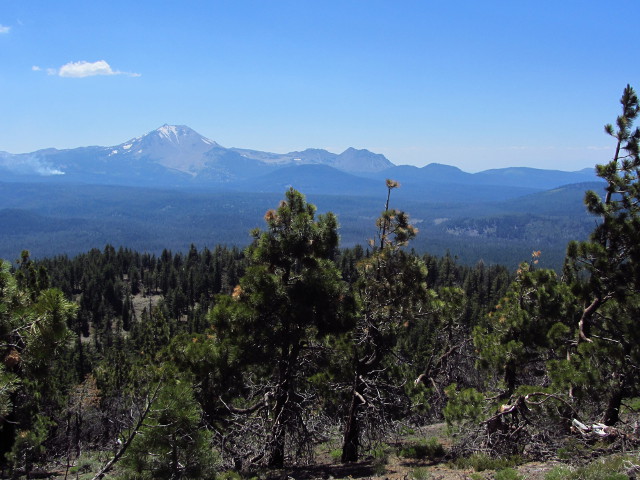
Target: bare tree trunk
[[351, 438], [509, 379], [612, 413], [276, 455], [281, 410]]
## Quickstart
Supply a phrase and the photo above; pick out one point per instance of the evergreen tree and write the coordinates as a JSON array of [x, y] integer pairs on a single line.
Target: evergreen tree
[[569, 348], [391, 287], [605, 270], [171, 443], [33, 332], [289, 297], [527, 328]]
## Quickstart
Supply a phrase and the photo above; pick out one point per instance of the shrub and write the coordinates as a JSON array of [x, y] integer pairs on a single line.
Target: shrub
[[420, 473], [380, 456], [229, 475], [558, 473], [481, 461], [508, 474], [431, 449], [336, 454], [611, 468]]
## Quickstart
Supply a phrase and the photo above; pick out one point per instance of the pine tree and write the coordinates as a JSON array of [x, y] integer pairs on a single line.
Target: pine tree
[[33, 332], [605, 270], [528, 327], [391, 287], [171, 443], [290, 296]]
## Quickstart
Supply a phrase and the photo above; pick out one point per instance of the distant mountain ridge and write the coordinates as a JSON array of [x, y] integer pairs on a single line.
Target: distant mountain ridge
[[172, 187], [178, 156]]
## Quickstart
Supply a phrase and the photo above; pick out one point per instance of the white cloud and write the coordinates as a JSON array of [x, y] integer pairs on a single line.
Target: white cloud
[[36, 68], [4, 29], [87, 69]]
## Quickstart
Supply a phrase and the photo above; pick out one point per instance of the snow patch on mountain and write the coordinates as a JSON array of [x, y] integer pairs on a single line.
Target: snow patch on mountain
[[177, 148], [170, 132]]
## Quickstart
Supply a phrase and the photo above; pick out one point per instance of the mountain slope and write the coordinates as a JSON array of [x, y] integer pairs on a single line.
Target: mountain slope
[[177, 156], [352, 160], [533, 177], [311, 178], [175, 147]]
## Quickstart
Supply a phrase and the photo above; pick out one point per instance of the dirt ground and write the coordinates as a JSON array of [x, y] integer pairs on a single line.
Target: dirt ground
[[398, 468], [405, 469], [141, 302]]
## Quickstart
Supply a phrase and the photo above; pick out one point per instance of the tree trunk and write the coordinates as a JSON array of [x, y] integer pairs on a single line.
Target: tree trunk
[[351, 439], [277, 444], [612, 413], [509, 379], [175, 464], [281, 410]]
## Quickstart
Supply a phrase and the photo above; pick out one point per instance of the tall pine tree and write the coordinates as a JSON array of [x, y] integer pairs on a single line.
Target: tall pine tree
[[290, 296]]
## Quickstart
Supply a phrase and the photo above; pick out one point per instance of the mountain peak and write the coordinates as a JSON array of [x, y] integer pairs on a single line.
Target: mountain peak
[[353, 149], [178, 134], [176, 147], [354, 160]]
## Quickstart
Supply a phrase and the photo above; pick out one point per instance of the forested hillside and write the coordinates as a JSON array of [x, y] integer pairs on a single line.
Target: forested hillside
[[185, 365], [49, 220]]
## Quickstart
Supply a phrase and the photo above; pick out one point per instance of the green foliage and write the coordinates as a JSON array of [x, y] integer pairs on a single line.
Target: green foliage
[[229, 475], [391, 293], [275, 347], [86, 465], [292, 295], [508, 474], [610, 468], [466, 405], [380, 455], [632, 405], [604, 273], [481, 462], [420, 473], [567, 347], [33, 337], [572, 448], [172, 443], [425, 449], [336, 454], [527, 328], [28, 446], [291, 288], [560, 472], [476, 476]]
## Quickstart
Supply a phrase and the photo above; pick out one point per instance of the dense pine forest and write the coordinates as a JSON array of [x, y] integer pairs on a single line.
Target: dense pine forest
[[191, 364]]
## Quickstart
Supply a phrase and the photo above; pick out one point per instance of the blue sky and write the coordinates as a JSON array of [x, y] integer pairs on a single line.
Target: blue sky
[[473, 84]]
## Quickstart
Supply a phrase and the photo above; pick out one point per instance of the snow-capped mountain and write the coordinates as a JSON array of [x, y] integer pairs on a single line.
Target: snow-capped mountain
[[176, 147], [175, 155]]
